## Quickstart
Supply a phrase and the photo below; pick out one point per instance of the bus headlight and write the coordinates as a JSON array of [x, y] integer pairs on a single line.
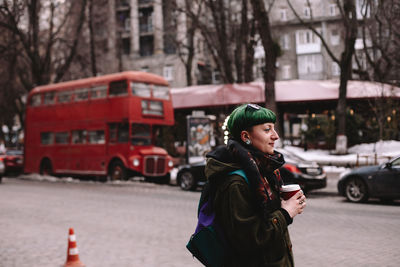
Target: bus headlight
[[136, 162], [170, 164]]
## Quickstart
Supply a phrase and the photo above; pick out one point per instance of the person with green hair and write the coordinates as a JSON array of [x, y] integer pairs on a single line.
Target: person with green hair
[[244, 184]]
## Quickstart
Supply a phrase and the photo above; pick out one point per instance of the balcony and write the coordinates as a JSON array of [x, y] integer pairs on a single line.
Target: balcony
[[123, 5], [146, 29]]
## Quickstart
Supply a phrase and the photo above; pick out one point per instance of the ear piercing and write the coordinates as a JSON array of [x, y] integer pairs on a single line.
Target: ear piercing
[[248, 142]]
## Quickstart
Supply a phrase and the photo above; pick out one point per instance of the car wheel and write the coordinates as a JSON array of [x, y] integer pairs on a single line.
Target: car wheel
[[356, 190], [117, 172], [187, 181], [45, 167]]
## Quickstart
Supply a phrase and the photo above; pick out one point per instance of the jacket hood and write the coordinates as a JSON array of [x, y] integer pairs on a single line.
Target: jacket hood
[[219, 161]]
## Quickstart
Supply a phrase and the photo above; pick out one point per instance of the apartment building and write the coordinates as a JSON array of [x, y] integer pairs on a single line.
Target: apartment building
[[303, 55], [146, 35]]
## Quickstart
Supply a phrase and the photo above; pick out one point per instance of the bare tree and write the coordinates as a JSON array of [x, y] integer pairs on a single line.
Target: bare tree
[[271, 51], [46, 35], [350, 24], [185, 44], [379, 60]]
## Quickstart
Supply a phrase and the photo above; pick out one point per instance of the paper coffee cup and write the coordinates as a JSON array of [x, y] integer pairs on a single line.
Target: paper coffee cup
[[287, 191]]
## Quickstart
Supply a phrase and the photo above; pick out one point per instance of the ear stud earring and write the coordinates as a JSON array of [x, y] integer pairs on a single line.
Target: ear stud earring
[[248, 142]]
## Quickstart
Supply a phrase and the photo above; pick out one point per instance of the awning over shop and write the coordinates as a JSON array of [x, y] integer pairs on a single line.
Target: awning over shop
[[285, 91]]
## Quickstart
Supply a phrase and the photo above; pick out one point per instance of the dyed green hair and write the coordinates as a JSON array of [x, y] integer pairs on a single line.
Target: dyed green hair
[[246, 116]]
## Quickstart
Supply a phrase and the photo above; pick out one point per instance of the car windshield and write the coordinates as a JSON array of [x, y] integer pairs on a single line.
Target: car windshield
[[14, 152], [141, 134]]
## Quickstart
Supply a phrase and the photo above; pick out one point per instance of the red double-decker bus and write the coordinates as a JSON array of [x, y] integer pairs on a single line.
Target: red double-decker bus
[[102, 126]]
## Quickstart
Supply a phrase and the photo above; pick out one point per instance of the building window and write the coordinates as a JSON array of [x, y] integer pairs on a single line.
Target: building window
[[311, 63], [333, 10], [216, 77], [335, 38], [168, 73], [126, 46], [335, 69], [286, 72], [146, 45], [146, 20], [306, 37], [285, 42], [283, 14], [307, 12]]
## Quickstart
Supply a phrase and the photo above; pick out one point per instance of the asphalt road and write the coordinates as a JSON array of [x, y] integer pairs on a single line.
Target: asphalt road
[[142, 224]]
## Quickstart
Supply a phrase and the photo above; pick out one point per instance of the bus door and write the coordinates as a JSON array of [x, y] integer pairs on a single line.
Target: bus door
[[118, 139]]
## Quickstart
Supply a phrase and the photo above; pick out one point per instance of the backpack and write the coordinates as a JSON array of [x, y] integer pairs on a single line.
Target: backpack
[[207, 243]]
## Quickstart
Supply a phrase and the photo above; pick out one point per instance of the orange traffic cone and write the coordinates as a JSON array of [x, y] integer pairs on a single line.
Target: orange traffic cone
[[72, 252]]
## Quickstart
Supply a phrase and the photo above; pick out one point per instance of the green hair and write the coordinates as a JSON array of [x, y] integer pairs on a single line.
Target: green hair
[[246, 116]]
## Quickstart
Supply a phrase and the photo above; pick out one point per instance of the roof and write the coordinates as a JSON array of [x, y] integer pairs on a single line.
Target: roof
[[132, 75], [285, 91]]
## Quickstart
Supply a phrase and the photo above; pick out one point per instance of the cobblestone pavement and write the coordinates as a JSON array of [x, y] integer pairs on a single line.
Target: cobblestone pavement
[[142, 224]]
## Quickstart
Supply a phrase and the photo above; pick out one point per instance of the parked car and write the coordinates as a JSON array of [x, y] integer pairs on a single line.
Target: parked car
[[296, 170], [379, 181], [13, 160], [2, 168]]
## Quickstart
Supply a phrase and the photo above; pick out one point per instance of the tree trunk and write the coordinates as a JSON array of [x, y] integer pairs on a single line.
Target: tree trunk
[[92, 41], [350, 22], [261, 16]]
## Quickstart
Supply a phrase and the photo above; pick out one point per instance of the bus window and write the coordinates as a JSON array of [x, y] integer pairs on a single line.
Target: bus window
[[46, 138], [79, 137], [119, 132], [118, 88], [64, 97], [140, 134], [81, 94], [98, 92], [150, 107], [96, 137], [62, 138], [161, 92], [123, 133], [36, 100], [140, 89], [48, 98]]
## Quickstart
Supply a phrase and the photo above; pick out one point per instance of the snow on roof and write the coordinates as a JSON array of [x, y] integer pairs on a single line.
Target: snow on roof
[[286, 91]]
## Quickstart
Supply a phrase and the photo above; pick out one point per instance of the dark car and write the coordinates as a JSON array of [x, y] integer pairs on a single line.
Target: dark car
[[309, 175], [13, 160], [2, 168], [379, 181]]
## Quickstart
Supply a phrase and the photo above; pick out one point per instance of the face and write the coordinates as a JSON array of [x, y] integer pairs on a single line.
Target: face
[[262, 137]]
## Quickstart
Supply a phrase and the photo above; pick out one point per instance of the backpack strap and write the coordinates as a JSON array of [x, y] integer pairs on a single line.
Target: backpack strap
[[241, 173]]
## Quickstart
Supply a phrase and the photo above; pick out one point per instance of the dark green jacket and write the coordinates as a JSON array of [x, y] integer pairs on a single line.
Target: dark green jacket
[[255, 241]]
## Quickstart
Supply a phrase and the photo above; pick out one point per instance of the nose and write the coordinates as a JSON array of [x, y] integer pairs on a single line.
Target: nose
[[275, 135]]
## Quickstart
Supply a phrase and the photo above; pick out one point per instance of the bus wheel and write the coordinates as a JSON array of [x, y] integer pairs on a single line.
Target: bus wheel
[[117, 171], [46, 168]]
